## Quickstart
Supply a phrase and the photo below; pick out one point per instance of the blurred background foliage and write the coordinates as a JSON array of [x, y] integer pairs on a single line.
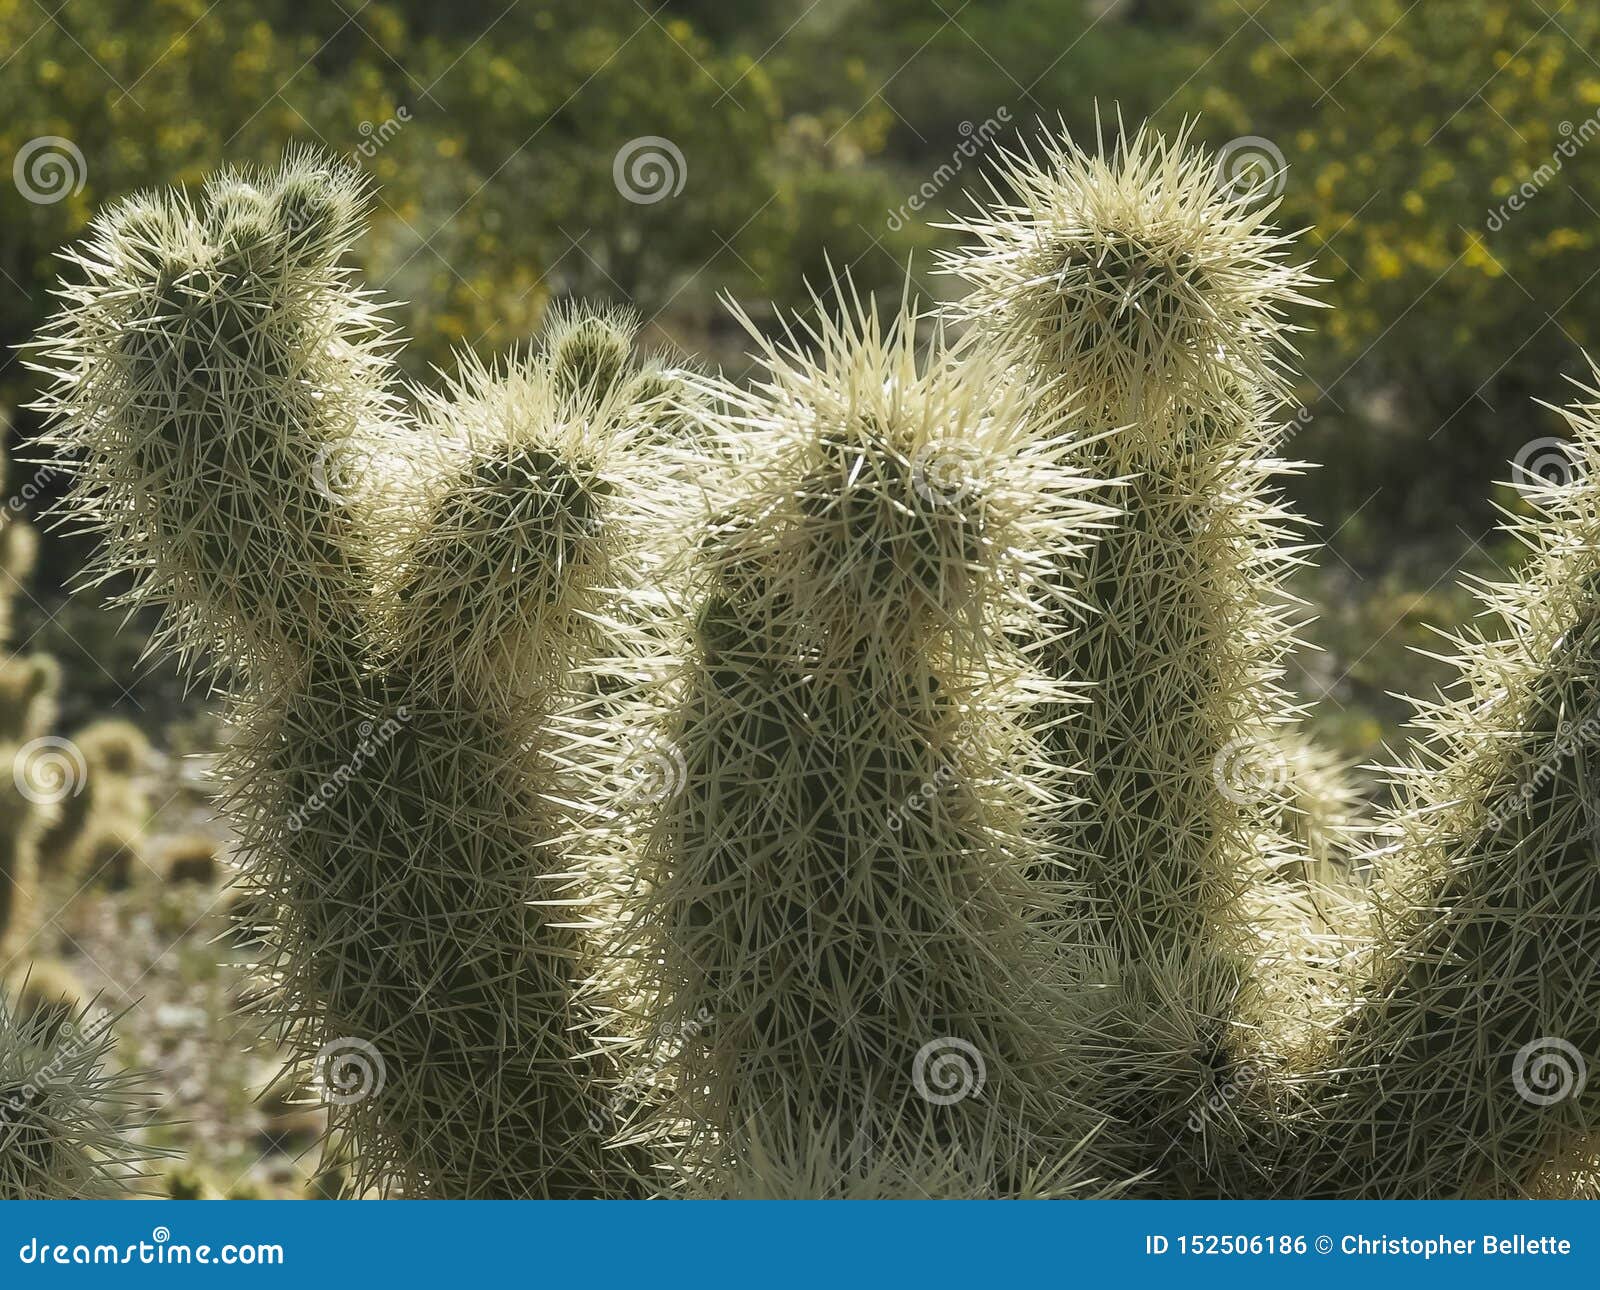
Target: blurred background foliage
[[490, 128]]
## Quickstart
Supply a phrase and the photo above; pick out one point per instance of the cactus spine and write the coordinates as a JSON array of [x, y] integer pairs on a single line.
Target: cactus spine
[[1461, 1068]]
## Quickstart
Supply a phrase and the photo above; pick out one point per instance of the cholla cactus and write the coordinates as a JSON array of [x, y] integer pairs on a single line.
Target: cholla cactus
[[108, 799], [1135, 274], [1463, 1068], [1454, 1062], [406, 621], [47, 990], [20, 827], [1131, 281], [221, 367], [29, 688], [37, 772], [68, 1124], [19, 551], [832, 913], [878, 858]]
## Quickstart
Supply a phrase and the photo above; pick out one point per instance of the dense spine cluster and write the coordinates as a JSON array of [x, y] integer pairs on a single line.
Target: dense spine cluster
[[69, 1123], [1464, 1067]]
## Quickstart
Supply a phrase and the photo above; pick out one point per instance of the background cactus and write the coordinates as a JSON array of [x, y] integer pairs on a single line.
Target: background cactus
[[19, 551], [109, 801], [46, 990], [33, 775], [20, 827]]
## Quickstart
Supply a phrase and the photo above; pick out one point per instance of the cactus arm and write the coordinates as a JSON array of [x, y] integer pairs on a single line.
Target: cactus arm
[[226, 384], [1461, 1069], [215, 369], [1129, 279], [836, 891]]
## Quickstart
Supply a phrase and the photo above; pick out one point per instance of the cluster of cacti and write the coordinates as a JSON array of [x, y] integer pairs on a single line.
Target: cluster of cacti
[[72, 810], [68, 806], [68, 1124], [874, 781]]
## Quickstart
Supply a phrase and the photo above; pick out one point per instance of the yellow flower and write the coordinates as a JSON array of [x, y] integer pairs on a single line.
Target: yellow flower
[[1386, 263]]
